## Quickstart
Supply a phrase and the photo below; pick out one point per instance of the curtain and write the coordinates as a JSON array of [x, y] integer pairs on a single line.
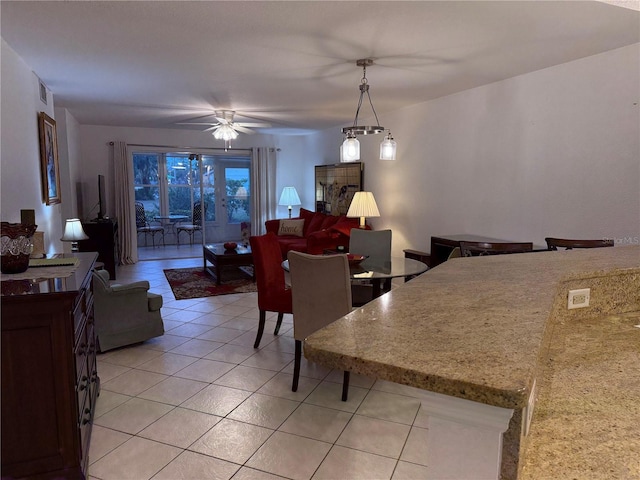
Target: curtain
[[263, 184], [125, 204]]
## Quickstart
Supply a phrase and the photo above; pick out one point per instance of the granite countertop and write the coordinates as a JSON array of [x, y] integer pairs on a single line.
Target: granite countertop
[[483, 329], [474, 328], [586, 422]]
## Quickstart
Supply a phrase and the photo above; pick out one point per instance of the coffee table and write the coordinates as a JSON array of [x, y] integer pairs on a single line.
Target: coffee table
[[219, 257]]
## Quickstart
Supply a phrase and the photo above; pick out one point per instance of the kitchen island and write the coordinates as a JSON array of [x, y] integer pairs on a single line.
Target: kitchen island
[[479, 331]]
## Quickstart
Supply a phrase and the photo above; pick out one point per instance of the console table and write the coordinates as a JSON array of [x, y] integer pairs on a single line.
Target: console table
[[49, 373]]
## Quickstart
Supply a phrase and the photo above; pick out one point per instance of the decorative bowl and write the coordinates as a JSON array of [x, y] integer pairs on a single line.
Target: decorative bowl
[[230, 245], [355, 259], [16, 246]]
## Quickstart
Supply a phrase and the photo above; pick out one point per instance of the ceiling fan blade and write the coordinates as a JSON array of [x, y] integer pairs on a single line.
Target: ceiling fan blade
[[242, 129], [253, 125], [215, 127], [197, 123]]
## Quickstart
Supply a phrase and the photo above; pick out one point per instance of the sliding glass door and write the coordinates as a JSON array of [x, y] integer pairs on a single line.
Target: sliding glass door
[[169, 184]]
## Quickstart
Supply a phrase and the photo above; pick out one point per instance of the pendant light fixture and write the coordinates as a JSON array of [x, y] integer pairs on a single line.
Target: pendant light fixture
[[350, 150], [388, 148]]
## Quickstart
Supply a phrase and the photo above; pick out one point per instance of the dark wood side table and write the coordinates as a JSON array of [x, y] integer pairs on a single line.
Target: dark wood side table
[[220, 258], [442, 246], [103, 238]]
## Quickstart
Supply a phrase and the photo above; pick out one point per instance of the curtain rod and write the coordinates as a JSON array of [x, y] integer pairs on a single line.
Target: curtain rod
[[183, 148]]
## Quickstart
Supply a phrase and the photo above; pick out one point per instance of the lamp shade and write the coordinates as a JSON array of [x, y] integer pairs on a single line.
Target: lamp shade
[[363, 205], [289, 197], [350, 151], [388, 148], [73, 231]]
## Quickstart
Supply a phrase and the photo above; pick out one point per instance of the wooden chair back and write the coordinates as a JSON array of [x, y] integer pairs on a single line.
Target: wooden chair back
[[555, 243]]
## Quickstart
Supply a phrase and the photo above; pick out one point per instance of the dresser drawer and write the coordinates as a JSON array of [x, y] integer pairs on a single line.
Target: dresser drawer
[[80, 313]]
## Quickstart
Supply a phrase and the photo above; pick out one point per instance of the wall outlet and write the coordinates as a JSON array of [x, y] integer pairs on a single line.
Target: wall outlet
[[578, 298]]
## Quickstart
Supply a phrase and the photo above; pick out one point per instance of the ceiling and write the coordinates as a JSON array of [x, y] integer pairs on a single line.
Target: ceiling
[[292, 63]]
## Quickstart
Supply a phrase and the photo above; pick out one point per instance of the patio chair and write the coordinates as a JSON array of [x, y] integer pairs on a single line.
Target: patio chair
[[143, 225], [194, 226]]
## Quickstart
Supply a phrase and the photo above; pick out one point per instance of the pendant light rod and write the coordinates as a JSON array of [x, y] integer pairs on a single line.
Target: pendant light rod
[[364, 88]]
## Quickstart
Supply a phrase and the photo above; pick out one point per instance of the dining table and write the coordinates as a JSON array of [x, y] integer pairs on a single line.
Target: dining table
[[378, 271], [171, 220]]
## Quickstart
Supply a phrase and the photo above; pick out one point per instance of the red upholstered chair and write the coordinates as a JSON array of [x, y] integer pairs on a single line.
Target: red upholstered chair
[[273, 293]]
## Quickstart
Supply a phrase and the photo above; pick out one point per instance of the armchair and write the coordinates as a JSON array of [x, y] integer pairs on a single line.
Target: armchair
[[124, 314]]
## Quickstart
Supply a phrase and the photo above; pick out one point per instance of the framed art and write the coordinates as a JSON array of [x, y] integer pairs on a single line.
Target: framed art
[[336, 185], [49, 169]]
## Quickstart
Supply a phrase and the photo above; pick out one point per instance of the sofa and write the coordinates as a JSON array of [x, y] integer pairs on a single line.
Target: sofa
[[312, 232]]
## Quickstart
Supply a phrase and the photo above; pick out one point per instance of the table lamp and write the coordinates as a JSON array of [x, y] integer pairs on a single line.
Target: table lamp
[[73, 232], [363, 205], [289, 197]]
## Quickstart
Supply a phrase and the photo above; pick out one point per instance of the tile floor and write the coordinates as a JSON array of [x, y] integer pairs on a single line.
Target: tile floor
[[201, 403]]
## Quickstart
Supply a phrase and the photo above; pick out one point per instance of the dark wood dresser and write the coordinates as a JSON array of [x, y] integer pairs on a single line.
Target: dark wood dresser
[[103, 238], [49, 373]]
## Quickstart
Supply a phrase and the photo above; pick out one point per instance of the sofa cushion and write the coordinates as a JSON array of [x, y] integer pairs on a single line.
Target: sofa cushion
[[308, 216], [292, 243], [316, 224], [329, 221], [291, 227], [344, 225]]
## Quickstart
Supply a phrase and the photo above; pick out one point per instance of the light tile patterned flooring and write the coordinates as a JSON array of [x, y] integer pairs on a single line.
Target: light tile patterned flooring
[[201, 403]]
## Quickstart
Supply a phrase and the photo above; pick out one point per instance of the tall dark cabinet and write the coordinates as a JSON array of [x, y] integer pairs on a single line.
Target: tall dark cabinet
[[49, 374], [103, 238]]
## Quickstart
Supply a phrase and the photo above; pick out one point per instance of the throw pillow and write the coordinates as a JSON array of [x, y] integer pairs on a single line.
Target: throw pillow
[[291, 227], [329, 221], [344, 225], [316, 223], [308, 216]]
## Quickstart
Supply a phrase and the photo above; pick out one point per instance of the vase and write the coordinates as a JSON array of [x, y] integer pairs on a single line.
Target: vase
[[15, 246]]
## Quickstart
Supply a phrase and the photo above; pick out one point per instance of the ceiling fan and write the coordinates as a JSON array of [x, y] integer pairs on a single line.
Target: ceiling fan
[[225, 128]]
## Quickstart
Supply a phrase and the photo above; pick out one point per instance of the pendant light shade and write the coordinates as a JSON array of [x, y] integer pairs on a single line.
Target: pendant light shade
[[388, 148], [350, 150]]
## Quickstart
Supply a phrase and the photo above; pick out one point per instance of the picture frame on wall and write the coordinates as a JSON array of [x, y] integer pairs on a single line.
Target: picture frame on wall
[[336, 185], [49, 169]]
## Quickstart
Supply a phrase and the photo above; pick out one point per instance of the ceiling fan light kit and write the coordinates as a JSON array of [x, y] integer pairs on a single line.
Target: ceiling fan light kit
[[225, 132], [350, 149], [226, 128]]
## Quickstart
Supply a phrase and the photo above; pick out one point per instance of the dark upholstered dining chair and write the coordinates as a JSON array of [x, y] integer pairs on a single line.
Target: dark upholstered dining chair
[[273, 293], [555, 243], [376, 245], [473, 249], [321, 294], [143, 225]]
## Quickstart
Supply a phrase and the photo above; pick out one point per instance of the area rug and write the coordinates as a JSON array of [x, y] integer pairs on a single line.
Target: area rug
[[196, 283]]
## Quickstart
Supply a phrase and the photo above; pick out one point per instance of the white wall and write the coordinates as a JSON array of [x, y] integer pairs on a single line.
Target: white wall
[[551, 153], [20, 153], [292, 157]]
